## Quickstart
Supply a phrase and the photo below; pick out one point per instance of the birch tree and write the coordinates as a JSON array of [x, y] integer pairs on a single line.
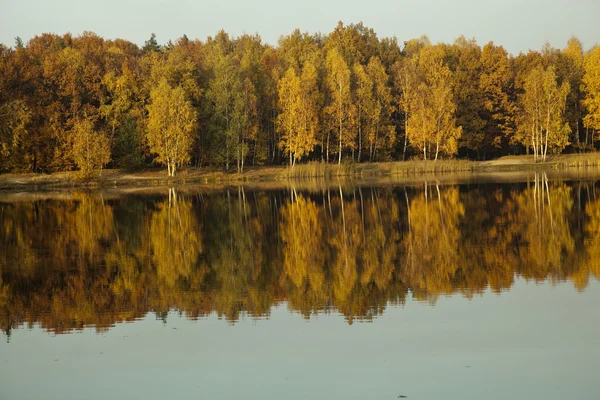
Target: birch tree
[[340, 109], [405, 82], [543, 122], [432, 124], [171, 123], [298, 119], [366, 108], [382, 95]]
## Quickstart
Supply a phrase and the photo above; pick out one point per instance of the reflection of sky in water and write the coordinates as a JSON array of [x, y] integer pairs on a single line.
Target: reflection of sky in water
[[537, 341]]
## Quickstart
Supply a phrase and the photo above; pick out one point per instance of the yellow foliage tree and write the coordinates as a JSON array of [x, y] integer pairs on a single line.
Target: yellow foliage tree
[[591, 88], [340, 110], [365, 107], [543, 104], [14, 118], [171, 123], [382, 95], [405, 82], [432, 124], [91, 149], [298, 120]]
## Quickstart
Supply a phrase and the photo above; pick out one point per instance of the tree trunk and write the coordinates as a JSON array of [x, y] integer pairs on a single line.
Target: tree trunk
[[405, 136], [340, 150], [340, 120], [375, 144], [226, 155], [327, 150], [533, 134], [237, 156], [359, 142], [242, 160], [254, 152], [547, 133], [577, 136]]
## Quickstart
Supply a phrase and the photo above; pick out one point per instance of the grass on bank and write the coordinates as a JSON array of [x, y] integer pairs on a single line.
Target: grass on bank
[[312, 170]]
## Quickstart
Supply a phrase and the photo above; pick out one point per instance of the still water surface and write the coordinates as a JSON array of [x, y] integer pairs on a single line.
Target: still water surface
[[427, 291]]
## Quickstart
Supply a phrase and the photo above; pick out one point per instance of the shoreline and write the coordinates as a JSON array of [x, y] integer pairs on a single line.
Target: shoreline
[[283, 176]]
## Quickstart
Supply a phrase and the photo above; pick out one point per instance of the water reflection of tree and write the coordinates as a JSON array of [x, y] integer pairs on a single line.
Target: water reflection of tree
[[591, 263], [175, 240], [431, 243], [303, 252], [235, 248], [486, 248], [85, 260], [342, 253], [545, 235]]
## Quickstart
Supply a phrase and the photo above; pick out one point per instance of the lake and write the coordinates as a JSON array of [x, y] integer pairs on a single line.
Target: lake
[[469, 289]]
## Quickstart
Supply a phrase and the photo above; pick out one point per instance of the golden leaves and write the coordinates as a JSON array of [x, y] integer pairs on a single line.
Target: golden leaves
[[543, 124], [591, 87], [298, 120], [171, 123], [91, 149]]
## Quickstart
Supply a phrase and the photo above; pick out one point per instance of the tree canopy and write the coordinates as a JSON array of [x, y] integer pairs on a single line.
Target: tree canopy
[[346, 95]]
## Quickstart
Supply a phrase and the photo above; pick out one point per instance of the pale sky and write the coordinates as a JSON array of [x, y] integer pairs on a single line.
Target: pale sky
[[517, 25]]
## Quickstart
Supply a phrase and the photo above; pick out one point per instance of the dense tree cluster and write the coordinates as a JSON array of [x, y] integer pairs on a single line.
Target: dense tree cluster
[[83, 259], [85, 102]]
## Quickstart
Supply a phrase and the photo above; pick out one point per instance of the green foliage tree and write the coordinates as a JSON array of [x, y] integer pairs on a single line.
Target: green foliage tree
[[233, 103], [151, 44]]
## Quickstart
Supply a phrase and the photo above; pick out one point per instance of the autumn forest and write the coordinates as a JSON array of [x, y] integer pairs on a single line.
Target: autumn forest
[[86, 103]]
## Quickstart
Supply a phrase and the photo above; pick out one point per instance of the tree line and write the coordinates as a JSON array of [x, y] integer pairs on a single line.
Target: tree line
[[87, 103], [87, 259]]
